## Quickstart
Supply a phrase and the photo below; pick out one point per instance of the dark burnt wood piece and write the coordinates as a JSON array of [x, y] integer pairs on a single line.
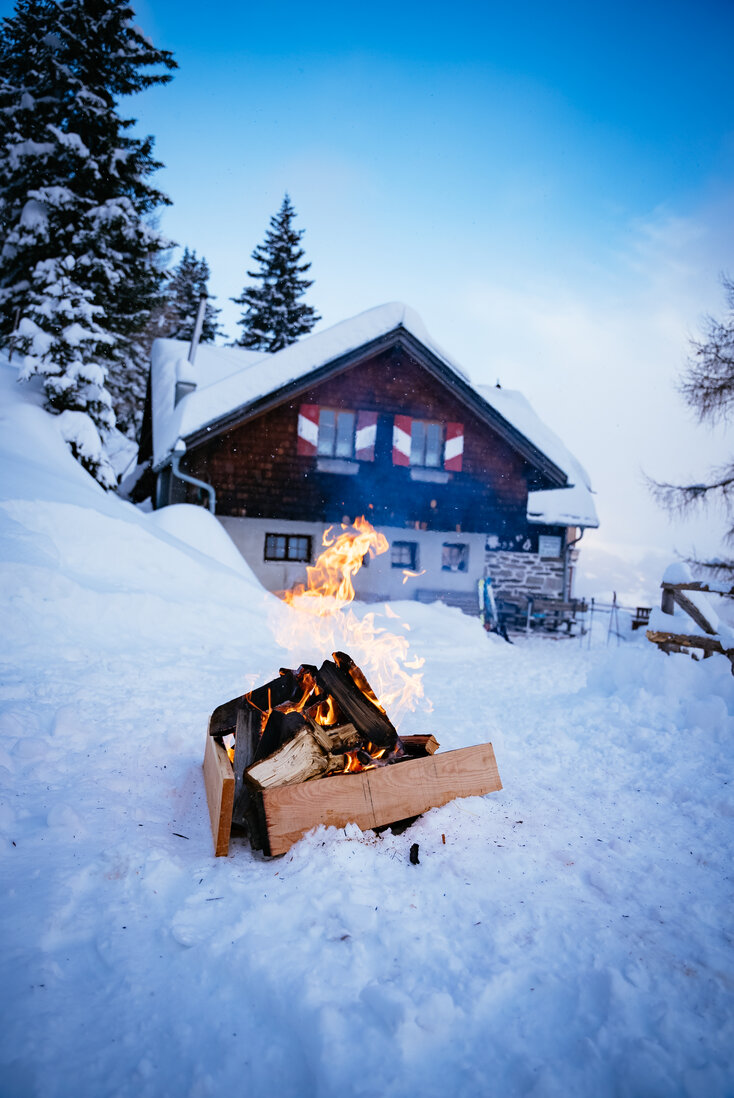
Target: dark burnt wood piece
[[279, 728], [247, 736], [419, 746], [370, 722]]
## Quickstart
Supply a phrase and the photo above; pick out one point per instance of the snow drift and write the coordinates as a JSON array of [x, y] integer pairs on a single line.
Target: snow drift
[[570, 935]]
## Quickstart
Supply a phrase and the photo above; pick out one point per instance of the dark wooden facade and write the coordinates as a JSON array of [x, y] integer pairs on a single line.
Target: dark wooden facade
[[257, 471]]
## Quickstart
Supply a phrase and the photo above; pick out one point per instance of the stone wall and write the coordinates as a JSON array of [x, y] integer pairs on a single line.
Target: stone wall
[[516, 575]]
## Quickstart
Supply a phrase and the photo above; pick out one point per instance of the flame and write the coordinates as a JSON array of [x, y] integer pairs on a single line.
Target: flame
[[326, 622], [408, 575], [329, 585]]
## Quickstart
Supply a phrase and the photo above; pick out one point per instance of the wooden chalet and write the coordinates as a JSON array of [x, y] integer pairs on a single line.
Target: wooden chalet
[[369, 418]]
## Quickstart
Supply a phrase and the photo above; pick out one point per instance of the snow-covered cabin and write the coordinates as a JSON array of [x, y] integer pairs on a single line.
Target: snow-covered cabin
[[369, 417]]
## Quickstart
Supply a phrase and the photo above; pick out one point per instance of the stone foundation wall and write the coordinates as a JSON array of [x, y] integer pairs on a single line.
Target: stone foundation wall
[[523, 574]]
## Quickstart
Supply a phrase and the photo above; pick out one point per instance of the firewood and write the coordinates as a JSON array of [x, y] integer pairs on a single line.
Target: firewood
[[219, 785], [335, 679], [247, 736], [279, 728], [375, 797], [312, 753], [418, 746]]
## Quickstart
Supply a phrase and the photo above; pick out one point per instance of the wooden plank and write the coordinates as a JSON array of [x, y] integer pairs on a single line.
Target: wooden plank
[[219, 785], [376, 797]]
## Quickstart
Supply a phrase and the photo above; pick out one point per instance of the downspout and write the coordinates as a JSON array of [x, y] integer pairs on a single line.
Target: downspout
[[566, 560], [178, 452]]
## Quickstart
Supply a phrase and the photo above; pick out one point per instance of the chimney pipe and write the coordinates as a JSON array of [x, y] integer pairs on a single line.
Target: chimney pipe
[[197, 328]]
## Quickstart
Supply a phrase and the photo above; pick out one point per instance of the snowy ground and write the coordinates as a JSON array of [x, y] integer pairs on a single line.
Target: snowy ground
[[572, 936]]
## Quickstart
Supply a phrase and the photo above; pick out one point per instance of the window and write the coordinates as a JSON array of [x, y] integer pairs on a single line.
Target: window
[[336, 434], [293, 547], [404, 554], [454, 557], [426, 444]]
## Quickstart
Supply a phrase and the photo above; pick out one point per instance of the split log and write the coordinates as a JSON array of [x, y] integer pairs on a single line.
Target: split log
[[375, 797], [335, 679], [247, 736], [418, 746], [312, 753]]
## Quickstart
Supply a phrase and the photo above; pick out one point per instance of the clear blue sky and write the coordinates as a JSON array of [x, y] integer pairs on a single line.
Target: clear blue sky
[[550, 186]]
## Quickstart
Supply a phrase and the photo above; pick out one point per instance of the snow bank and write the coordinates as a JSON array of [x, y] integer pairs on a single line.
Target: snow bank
[[570, 935], [201, 530]]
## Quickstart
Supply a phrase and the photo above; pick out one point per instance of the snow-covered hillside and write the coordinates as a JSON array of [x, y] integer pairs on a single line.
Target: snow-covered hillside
[[571, 936]]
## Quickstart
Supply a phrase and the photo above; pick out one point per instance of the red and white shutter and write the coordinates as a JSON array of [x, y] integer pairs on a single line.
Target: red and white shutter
[[364, 439], [308, 429], [401, 440], [453, 454]]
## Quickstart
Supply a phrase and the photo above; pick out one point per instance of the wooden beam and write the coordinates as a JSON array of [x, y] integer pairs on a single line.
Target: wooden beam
[[376, 797], [694, 612], [219, 785], [687, 640]]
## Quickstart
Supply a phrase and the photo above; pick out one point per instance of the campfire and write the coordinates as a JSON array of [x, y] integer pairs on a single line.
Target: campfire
[[316, 744]]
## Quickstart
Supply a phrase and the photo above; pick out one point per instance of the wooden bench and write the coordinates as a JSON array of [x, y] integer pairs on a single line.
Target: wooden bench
[[642, 617], [550, 615]]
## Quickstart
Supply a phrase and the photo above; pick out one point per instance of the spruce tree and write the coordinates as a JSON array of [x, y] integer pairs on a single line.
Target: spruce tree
[[184, 289], [273, 316], [77, 269]]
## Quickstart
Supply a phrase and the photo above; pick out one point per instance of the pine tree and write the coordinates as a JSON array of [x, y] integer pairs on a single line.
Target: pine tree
[[274, 317], [77, 270], [184, 289], [708, 388]]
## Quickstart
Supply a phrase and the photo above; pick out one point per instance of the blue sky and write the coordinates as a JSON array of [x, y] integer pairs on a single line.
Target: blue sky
[[550, 186]]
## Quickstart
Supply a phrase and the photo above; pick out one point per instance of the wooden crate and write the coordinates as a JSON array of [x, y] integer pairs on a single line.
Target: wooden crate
[[371, 798]]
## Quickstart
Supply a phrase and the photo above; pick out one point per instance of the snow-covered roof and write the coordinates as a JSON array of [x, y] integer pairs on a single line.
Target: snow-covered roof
[[570, 506], [231, 378]]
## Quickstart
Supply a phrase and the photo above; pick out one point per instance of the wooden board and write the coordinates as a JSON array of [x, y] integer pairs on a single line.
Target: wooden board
[[376, 797], [219, 784]]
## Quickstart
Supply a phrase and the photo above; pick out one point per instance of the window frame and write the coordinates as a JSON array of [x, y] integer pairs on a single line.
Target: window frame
[[418, 460], [288, 539], [463, 565], [412, 548], [333, 451]]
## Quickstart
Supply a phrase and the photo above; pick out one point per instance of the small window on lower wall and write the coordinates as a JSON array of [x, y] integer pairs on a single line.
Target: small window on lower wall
[[404, 554], [454, 557], [291, 547]]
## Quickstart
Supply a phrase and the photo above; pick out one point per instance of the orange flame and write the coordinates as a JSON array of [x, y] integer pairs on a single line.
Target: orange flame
[[326, 622]]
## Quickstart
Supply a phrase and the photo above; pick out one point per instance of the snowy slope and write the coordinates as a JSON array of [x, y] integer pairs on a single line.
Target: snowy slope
[[571, 936]]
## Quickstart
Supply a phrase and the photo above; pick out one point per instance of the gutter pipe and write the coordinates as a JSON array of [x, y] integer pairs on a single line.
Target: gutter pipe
[[566, 560], [178, 452]]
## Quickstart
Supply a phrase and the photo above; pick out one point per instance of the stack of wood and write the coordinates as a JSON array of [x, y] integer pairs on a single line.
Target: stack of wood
[[325, 722]]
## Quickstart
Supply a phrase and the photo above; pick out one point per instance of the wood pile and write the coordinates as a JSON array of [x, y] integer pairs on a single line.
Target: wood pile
[[315, 746]]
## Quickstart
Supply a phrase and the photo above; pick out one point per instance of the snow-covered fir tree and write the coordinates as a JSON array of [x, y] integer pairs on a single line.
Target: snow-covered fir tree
[[274, 316], [78, 274], [187, 282]]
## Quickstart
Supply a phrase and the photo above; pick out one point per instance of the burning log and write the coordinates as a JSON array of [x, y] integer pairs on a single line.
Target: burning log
[[344, 681]]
